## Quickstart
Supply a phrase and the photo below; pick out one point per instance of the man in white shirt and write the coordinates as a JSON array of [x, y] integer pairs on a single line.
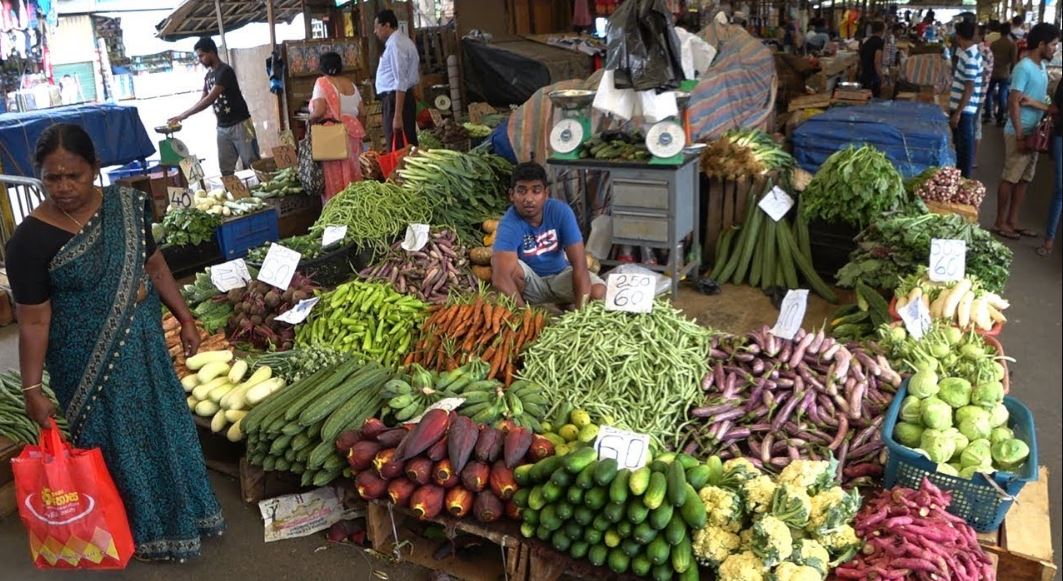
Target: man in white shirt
[[396, 75]]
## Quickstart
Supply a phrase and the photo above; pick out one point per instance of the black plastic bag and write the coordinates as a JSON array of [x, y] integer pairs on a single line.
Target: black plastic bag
[[642, 47]]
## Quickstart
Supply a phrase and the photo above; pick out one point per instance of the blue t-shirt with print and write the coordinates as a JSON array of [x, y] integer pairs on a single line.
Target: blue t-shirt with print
[[1032, 80], [542, 248]]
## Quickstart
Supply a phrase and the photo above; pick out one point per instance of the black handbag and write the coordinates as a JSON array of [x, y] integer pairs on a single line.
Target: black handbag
[[310, 174]]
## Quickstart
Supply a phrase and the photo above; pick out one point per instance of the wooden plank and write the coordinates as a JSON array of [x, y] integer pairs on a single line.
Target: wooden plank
[[8, 505], [713, 217], [1028, 526], [252, 482]]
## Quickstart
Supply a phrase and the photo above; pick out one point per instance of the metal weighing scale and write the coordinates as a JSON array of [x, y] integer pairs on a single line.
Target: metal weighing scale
[[667, 138], [171, 149], [574, 125]]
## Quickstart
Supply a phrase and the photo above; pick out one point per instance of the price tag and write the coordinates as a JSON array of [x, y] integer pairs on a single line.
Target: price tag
[[776, 203], [279, 266], [332, 235], [629, 449], [948, 260], [791, 313], [916, 318], [179, 197], [235, 186], [191, 169], [416, 237], [299, 312], [287, 138], [285, 156], [437, 117], [229, 275], [446, 404], [632, 293]]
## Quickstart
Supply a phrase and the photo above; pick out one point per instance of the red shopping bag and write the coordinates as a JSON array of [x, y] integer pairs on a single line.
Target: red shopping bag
[[70, 506], [389, 161]]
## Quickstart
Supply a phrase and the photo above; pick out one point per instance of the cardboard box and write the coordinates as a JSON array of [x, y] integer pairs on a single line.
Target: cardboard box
[[155, 185]]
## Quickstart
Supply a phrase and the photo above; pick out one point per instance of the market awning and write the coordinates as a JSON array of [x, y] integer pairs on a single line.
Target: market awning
[[200, 18]]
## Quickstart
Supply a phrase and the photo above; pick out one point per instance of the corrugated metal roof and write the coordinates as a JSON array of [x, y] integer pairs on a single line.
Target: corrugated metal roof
[[198, 17]]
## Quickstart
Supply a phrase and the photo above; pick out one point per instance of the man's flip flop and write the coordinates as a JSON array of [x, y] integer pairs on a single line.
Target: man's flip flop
[[1008, 235], [1042, 251], [1027, 233]]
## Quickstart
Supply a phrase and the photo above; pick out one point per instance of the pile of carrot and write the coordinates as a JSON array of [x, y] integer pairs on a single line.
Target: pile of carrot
[[172, 334], [487, 327]]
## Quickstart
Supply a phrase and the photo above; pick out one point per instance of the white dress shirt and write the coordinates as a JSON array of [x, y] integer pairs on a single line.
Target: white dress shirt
[[399, 68]]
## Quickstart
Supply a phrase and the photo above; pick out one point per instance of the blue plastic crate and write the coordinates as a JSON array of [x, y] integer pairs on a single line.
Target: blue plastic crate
[[237, 236], [131, 169], [975, 500]]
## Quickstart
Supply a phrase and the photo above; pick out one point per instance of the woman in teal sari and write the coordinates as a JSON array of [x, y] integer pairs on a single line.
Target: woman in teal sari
[[88, 281]]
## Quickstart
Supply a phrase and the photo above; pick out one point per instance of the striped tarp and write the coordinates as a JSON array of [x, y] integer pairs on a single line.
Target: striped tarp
[[736, 91], [928, 70]]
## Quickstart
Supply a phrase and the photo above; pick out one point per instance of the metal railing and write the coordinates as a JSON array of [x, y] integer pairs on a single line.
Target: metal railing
[[19, 196]]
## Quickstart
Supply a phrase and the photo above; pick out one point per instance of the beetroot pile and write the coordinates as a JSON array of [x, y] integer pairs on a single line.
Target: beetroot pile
[[773, 401], [947, 185], [909, 535], [446, 463], [257, 305]]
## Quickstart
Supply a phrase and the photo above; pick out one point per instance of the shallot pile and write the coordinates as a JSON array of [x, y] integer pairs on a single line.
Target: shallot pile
[[909, 535], [947, 185], [773, 401]]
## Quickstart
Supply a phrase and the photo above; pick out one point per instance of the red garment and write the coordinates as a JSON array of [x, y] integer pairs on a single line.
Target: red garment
[[341, 172], [581, 15]]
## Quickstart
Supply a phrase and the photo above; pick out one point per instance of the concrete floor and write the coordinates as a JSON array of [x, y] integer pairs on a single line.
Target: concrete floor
[[1032, 337]]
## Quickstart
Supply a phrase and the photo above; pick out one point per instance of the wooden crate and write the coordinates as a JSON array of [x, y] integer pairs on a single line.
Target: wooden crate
[[257, 484], [818, 101], [8, 450], [1023, 545], [499, 558]]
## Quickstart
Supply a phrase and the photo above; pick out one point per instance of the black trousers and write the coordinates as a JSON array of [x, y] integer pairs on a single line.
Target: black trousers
[[409, 120]]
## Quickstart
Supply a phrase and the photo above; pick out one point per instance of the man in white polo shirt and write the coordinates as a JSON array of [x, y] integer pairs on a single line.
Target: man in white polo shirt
[[396, 76]]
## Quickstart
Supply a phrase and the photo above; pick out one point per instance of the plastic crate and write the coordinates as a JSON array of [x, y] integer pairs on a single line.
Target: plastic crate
[[975, 500], [237, 236], [831, 245], [334, 267], [131, 169]]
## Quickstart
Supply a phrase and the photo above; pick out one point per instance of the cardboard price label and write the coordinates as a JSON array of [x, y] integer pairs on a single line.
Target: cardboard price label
[[632, 293], [916, 318], [948, 260], [416, 237], [285, 156], [791, 314], [776, 203], [629, 449], [235, 186], [279, 266], [179, 197], [299, 312], [332, 235], [192, 169]]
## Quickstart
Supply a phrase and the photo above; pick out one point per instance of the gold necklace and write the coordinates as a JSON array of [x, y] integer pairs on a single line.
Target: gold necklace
[[73, 219]]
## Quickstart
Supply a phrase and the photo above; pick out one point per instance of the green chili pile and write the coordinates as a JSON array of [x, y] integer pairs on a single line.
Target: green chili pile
[[640, 372], [375, 213]]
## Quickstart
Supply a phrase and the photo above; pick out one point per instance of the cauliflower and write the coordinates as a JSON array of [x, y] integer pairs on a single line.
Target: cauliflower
[[736, 472], [723, 507], [745, 540], [758, 493], [833, 508], [787, 571], [743, 566], [841, 543], [812, 475], [812, 554], [791, 505], [712, 545], [772, 541]]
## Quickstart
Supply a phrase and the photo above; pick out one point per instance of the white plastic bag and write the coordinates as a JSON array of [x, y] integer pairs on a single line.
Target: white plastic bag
[[696, 54], [600, 242], [656, 107], [609, 99]]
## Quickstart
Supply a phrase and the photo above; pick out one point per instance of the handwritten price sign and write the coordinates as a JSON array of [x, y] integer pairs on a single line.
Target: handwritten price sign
[[285, 156], [332, 235], [629, 449], [179, 197], [299, 312], [229, 275], [916, 318], [948, 260], [632, 293], [791, 313], [192, 170], [235, 186], [776, 204], [279, 266]]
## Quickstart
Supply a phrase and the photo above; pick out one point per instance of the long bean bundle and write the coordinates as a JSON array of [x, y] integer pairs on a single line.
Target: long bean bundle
[[14, 423], [640, 372], [374, 213]]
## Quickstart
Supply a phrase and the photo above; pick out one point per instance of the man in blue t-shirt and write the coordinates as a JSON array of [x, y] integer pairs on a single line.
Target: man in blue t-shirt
[[538, 251]]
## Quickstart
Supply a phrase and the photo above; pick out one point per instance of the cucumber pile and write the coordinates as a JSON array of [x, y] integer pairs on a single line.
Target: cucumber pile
[[639, 522], [296, 429], [617, 147], [15, 425]]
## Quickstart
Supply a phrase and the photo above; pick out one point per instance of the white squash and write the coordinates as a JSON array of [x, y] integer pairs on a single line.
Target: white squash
[[236, 373], [218, 422], [197, 361], [202, 391], [189, 382], [206, 408]]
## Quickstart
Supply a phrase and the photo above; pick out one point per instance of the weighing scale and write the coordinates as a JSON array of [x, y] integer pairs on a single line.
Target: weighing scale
[[171, 149], [667, 138], [574, 125]]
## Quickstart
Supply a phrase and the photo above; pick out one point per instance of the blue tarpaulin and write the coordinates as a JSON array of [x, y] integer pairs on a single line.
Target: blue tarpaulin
[[914, 136], [116, 131]]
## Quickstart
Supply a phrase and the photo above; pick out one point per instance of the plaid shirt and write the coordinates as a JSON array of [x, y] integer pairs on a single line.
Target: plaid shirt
[[987, 64]]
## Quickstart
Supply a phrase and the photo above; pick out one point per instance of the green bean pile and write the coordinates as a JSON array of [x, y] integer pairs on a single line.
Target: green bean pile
[[637, 372], [375, 213]]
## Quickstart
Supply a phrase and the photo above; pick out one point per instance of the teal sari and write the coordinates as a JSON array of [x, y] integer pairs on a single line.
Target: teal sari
[[113, 376]]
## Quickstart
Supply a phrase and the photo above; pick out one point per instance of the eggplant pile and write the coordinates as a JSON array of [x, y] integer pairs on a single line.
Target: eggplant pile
[[429, 273], [773, 401]]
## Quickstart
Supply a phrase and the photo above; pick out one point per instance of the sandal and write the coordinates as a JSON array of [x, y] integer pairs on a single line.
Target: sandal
[[1042, 251], [1010, 235], [1026, 232]]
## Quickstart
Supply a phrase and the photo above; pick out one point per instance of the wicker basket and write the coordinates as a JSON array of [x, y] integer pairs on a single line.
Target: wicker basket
[[264, 168]]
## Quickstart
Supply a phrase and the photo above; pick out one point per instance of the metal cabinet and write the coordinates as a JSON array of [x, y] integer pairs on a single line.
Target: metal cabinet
[[652, 205]]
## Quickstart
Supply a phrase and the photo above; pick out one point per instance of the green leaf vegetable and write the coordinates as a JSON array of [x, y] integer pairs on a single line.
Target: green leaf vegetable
[[188, 227], [855, 186]]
